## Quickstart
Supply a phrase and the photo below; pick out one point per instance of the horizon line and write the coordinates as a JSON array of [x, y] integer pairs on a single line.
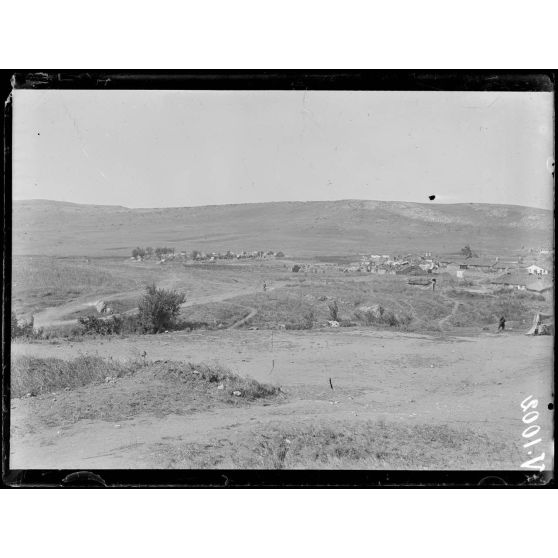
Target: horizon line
[[434, 203]]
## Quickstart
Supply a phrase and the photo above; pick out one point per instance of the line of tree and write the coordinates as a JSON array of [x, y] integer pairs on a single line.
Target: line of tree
[[149, 252], [163, 251]]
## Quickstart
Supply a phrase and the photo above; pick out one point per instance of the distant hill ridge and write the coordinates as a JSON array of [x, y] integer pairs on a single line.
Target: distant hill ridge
[[298, 228]]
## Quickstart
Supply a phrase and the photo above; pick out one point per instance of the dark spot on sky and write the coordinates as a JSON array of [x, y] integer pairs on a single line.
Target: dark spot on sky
[[432, 197], [38, 133]]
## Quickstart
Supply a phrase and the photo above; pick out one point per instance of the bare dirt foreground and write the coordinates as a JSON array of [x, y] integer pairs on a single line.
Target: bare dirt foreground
[[387, 386]]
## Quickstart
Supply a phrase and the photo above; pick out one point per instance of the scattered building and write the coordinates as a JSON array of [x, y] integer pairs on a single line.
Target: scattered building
[[537, 270]]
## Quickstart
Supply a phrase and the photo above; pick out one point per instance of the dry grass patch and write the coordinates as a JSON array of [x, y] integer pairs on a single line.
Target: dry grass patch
[[213, 314], [91, 388], [35, 376], [359, 445], [39, 282]]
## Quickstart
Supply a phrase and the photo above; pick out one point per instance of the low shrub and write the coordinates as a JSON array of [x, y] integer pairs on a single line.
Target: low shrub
[[23, 329], [94, 325], [383, 318], [249, 388], [298, 325], [306, 321]]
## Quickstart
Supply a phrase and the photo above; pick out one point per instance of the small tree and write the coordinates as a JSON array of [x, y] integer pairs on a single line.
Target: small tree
[[467, 252], [334, 311], [158, 308]]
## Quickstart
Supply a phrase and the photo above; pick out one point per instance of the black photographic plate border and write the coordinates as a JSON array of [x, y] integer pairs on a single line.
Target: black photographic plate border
[[332, 80]]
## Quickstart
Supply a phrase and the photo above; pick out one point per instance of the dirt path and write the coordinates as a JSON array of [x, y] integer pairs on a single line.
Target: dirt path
[[456, 304], [54, 315], [473, 383], [238, 323]]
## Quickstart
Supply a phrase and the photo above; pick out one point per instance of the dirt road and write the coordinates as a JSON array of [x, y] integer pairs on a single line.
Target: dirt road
[[55, 316], [463, 382]]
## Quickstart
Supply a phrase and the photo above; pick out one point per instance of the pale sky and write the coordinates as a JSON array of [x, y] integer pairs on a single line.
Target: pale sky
[[187, 148]]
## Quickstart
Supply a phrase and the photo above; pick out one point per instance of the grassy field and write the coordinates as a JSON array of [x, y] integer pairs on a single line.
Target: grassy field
[[416, 308], [477, 309], [219, 295], [349, 445], [40, 282]]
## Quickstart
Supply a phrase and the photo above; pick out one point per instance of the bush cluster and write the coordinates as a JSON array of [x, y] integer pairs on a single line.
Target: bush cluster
[[149, 252], [383, 317], [97, 326], [24, 329], [159, 308], [306, 321]]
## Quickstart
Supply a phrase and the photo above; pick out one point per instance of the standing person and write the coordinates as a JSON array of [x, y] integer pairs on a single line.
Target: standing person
[[264, 287], [502, 324], [433, 285]]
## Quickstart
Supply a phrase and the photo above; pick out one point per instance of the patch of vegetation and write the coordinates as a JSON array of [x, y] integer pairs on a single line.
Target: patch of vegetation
[[117, 307], [213, 315], [521, 295], [304, 321], [468, 252], [247, 388], [22, 329], [40, 281], [94, 325], [34, 376], [148, 252], [334, 310], [344, 445], [383, 317], [91, 388], [514, 305], [159, 308]]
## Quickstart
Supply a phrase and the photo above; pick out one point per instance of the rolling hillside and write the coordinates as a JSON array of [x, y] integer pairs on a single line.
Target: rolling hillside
[[297, 228]]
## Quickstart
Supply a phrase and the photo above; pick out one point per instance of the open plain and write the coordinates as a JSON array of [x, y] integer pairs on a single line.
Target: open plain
[[296, 375]]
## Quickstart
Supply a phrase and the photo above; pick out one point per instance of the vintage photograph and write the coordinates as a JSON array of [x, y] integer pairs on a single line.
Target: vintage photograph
[[301, 279]]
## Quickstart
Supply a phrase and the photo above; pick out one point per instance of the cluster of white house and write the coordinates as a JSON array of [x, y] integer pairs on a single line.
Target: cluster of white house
[[499, 272], [387, 264]]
